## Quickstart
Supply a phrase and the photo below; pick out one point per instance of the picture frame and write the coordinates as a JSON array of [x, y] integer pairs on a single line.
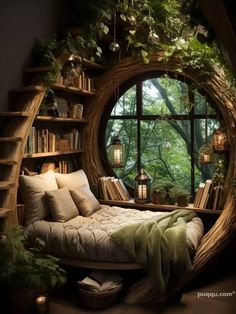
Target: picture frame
[[63, 107]]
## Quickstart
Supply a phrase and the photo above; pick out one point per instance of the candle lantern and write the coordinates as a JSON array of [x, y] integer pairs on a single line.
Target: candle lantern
[[220, 141], [142, 187], [206, 155], [117, 153], [42, 304]]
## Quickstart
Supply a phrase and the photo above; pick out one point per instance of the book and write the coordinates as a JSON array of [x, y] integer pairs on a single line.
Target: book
[[205, 194], [198, 194], [122, 190], [101, 281], [113, 189]]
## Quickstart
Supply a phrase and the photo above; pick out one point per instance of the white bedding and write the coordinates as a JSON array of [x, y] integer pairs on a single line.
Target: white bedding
[[88, 238]]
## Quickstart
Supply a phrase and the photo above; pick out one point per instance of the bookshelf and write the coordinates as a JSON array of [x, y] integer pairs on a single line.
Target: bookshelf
[[57, 138]]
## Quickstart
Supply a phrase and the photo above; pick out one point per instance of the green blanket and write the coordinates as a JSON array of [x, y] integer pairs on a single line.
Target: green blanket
[[160, 246]]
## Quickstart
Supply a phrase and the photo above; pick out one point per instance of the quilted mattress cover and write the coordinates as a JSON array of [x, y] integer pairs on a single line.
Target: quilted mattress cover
[[88, 238]]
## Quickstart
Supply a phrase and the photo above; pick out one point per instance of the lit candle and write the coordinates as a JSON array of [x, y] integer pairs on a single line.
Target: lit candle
[[142, 191], [206, 158], [41, 304], [117, 156]]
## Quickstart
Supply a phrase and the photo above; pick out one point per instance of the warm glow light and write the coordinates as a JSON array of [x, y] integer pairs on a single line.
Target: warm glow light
[[117, 156], [41, 304], [206, 158], [142, 191]]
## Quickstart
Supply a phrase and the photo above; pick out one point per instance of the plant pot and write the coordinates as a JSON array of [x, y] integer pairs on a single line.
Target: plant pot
[[158, 198], [182, 200]]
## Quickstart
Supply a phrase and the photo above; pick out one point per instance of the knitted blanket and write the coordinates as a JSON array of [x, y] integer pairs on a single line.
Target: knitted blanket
[[160, 246]]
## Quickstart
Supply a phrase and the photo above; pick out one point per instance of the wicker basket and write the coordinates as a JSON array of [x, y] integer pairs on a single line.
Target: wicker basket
[[99, 300]]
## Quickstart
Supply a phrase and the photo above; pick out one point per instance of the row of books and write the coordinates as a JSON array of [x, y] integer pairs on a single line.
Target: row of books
[[208, 196], [76, 111], [80, 81], [44, 141], [112, 188], [63, 166]]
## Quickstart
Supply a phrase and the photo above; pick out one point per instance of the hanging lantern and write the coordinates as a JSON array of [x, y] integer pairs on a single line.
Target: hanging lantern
[[206, 155], [153, 38], [114, 46], [220, 141], [142, 187], [117, 153]]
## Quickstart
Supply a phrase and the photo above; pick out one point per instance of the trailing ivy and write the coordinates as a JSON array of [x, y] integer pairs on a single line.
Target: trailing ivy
[[143, 27]]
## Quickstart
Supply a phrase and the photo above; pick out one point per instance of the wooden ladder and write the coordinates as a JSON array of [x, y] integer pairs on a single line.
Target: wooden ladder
[[16, 128]]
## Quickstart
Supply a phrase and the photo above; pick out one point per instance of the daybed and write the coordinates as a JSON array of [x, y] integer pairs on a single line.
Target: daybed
[[61, 210]]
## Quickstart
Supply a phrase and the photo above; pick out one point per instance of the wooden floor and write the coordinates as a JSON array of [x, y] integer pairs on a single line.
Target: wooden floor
[[220, 278]]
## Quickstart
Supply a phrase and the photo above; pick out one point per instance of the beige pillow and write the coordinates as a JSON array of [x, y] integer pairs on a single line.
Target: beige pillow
[[32, 189], [71, 180], [61, 205], [85, 200]]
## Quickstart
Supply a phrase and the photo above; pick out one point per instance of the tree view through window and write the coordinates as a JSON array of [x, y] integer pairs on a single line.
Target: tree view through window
[[163, 122]]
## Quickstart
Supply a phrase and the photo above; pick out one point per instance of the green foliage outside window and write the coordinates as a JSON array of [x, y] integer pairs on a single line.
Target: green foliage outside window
[[168, 119]]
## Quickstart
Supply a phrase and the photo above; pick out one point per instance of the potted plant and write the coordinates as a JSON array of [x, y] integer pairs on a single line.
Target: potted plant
[[180, 195], [25, 271], [159, 194]]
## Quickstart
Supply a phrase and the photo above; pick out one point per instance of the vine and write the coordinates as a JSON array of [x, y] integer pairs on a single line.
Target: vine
[[143, 27]]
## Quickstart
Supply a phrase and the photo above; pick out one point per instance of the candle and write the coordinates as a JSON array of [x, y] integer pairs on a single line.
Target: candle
[[41, 304], [142, 191], [117, 156], [206, 158]]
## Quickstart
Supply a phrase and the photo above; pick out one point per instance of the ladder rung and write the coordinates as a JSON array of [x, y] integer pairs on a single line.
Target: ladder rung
[[4, 185], [10, 139], [8, 162], [4, 212], [29, 88], [15, 114]]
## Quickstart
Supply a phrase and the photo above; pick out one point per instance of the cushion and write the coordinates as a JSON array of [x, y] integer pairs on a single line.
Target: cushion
[[85, 200], [32, 189], [71, 180], [61, 205]]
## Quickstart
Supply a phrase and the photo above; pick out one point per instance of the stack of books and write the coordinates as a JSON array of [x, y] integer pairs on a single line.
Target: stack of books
[[112, 188], [208, 196]]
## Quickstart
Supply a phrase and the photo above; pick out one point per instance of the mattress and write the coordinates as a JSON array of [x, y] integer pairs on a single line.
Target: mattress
[[88, 238]]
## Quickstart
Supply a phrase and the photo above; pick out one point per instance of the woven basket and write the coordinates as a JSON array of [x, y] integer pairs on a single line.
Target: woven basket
[[99, 300]]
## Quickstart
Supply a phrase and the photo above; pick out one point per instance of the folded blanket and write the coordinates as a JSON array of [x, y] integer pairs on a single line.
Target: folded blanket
[[160, 246]]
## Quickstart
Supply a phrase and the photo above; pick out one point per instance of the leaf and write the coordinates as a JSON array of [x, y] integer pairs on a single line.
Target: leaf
[[123, 17]]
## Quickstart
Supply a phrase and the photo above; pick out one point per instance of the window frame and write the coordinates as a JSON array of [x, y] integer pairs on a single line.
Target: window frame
[[139, 116]]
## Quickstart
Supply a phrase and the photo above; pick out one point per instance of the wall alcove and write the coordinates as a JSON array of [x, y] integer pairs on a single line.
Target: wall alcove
[[215, 240], [17, 131]]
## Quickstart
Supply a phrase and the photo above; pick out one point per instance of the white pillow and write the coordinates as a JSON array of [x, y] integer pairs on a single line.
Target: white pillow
[[71, 180], [61, 205], [85, 200], [32, 189]]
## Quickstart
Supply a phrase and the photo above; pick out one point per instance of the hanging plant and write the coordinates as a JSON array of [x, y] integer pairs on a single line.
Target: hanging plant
[[143, 27]]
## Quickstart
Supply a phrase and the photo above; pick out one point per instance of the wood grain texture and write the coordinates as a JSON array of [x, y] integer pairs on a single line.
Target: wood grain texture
[[216, 86]]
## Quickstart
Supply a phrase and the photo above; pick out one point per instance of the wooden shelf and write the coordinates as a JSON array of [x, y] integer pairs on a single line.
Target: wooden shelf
[[30, 88], [155, 207], [58, 119], [4, 185], [70, 89], [10, 139], [8, 162], [87, 63], [15, 114], [57, 153]]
